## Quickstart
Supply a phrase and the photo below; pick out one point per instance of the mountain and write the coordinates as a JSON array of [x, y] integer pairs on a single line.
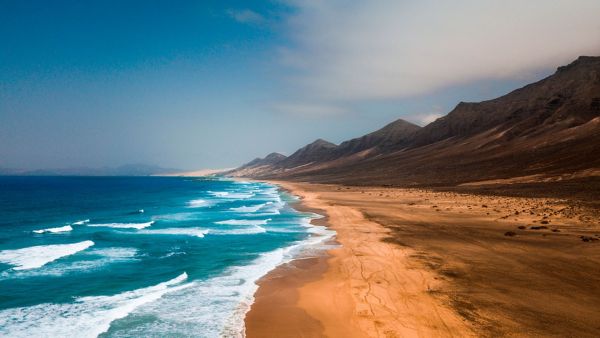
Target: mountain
[[315, 152], [394, 135], [272, 158], [566, 99], [546, 131], [124, 170], [319, 150], [257, 166]]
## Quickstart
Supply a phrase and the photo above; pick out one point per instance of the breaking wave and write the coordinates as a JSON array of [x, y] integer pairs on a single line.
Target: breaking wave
[[38, 256]]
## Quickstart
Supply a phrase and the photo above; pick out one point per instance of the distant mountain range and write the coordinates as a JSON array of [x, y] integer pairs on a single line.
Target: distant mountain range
[[124, 170], [548, 130]]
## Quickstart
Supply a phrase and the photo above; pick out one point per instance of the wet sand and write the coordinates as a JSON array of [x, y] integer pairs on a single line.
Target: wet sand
[[274, 312], [437, 264]]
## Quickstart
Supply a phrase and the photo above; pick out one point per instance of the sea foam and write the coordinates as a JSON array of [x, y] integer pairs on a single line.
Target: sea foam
[[86, 316], [200, 232], [65, 228], [272, 208], [81, 222], [244, 222], [88, 260], [123, 225], [195, 232], [176, 217], [199, 203], [38, 256], [254, 229], [244, 208], [231, 195], [215, 307]]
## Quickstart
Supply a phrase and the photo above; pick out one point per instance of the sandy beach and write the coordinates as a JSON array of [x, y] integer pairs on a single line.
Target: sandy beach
[[416, 263]]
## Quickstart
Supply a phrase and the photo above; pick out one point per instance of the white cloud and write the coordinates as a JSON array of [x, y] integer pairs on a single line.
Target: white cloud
[[246, 16], [353, 50]]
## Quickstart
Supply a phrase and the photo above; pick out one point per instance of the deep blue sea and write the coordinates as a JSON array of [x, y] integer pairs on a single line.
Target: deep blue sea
[[140, 256]]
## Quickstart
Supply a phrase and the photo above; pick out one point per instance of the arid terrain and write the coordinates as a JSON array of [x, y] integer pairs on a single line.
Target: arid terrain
[[414, 262]]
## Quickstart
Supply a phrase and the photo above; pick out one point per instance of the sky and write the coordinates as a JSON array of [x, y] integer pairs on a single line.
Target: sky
[[214, 84]]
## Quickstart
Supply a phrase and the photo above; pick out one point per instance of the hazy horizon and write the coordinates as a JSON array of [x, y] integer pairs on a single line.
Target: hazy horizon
[[218, 83]]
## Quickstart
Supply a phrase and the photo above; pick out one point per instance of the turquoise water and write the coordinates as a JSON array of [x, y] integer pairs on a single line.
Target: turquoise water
[[140, 256]]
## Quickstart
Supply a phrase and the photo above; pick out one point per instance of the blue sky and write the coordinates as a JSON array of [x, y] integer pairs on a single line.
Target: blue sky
[[199, 84]]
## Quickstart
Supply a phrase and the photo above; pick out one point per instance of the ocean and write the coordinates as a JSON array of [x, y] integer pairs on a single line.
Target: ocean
[[141, 256]]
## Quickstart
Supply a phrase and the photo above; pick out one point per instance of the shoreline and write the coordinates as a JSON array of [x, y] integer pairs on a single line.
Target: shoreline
[[274, 311], [330, 296], [422, 263]]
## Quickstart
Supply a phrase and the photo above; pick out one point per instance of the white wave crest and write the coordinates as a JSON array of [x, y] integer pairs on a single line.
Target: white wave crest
[[255, 229], [232, 195], [176, 217], [244, 222], [272, 192], [196, 232], [81, 222], [86, 316], [199, 203], [272, 208], [123, 225], [114, 253], [38, 256], [215, 307], [66, 228], [244, 208], [218, 193], [88, 260]]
